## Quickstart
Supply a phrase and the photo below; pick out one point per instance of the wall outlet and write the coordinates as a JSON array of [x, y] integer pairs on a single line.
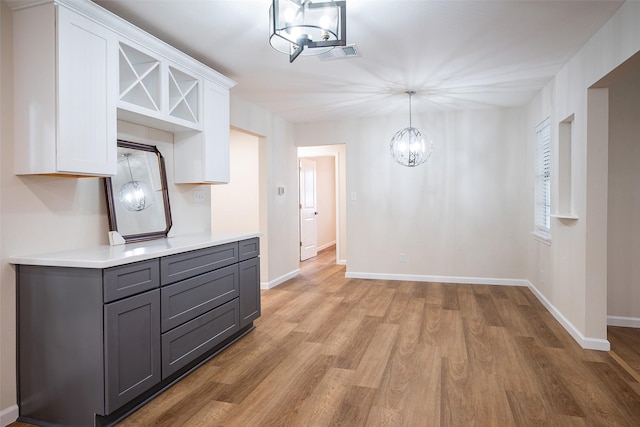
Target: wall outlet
[[199, 196], [403, 257]]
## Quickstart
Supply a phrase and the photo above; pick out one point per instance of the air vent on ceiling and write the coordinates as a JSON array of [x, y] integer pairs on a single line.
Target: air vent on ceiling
[[341, 52]]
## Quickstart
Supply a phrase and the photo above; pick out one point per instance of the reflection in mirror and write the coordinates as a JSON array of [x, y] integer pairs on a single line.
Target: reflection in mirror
[[137, 197]]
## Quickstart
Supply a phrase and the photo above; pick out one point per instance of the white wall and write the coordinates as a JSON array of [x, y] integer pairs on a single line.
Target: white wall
[[236, 205], [457, 216], [571, 273], [623, 252]]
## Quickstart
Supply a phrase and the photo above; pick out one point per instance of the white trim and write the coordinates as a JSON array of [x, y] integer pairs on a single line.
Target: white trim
[[280, 280], [326, 245], [438, 279], [542, 238], [341, 262], [585, 342], [9, 415], [627, 322], [565, 216]]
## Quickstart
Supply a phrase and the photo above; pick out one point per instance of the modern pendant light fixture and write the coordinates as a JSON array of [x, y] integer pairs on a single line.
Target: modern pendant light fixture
[[135, 195], [305, 27], [410, 146]]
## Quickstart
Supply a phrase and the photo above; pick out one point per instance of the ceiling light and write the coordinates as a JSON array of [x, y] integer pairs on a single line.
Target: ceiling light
[[411, 146], [135, 195], [304, 27]]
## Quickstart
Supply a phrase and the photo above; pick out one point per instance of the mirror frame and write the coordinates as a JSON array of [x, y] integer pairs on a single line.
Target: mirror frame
[[111, 201]]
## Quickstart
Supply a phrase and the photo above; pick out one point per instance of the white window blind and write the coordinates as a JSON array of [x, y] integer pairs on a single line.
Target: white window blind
[[543, 180]]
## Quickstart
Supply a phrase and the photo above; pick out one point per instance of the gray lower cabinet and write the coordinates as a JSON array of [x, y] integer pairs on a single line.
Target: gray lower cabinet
[[249, 291], [249, 269], [93, 344], [132, 347]]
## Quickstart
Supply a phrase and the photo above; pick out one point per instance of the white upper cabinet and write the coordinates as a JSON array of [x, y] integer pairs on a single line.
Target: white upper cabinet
[[64, 92], [154, 91], [203, 157], [78, 69]]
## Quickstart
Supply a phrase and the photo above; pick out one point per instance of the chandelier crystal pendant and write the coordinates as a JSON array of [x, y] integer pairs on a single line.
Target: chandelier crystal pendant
[[135, 195], [410, 146], [304, 27]]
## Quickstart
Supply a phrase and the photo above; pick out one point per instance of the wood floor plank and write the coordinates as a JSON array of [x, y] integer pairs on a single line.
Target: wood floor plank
[[345, 331], [318, 410], [255, 374], [281, 386], [584, 387], [527, 409], [353, 410], [538, 328], [626, 343], [625, 396], [355, 345], [488, 309], [374, 360], [552, 383], [397, 307], [242, 359], [318, 318]]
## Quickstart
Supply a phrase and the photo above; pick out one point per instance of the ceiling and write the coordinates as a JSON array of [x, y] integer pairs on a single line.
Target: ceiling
[[454, 54]]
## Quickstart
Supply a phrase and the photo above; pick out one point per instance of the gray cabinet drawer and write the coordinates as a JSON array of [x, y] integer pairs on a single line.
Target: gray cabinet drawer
[[249, 248], [189, 264], [187, 342], [186, 300], [130, 279]]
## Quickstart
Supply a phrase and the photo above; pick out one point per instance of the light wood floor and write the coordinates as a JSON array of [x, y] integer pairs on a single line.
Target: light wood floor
[[330, 351]]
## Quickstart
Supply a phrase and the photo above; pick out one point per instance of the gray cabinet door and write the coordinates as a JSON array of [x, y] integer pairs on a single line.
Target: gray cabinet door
[[132, 347], [249, 291]]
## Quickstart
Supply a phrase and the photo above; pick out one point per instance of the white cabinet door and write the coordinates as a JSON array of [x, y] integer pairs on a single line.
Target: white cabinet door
[[64, 93], [203, 157], [86, 96]]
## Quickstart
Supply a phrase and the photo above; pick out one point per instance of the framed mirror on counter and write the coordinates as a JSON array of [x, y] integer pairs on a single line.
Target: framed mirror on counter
[[137, 196]]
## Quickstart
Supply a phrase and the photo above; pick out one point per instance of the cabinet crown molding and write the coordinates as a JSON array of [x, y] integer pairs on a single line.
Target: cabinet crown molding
[[132, 33]]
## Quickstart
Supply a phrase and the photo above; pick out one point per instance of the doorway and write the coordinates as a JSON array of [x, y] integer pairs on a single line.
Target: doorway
[[622, 118], [240, 205], [331, 196], [310, 220]]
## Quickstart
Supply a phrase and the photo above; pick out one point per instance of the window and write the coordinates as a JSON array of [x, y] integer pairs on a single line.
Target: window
[[543, 181]]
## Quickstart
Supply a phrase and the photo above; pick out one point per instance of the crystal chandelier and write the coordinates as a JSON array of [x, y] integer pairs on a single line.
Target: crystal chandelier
[[135, 195], [410, 146], [296, 25]]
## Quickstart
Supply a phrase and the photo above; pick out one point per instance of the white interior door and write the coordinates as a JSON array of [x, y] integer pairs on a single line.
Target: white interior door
[[308, 210]]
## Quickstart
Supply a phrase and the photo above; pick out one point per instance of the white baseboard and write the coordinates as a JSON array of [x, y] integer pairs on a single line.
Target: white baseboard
[[326, 245], [8, 415], [585, 342], [341, 262], [627, 322], [438, 279], [279, 280]]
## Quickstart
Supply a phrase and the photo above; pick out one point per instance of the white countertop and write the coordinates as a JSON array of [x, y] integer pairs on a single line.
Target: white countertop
[[105, 256]]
